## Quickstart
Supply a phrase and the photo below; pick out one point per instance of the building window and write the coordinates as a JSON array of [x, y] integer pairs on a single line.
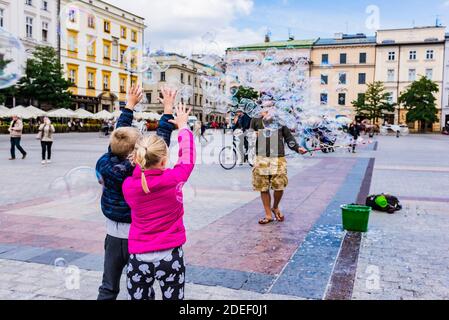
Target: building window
[[324, 98], [123, 32], [411, 75], [72, 43], [91, 21], [45, 31], [343, 58], [162, 76], [196, 99], [361, 97], [362, 57], [107, 26], [149, 97], [189, 79], [362, 78], [201, 100], [391, 56], [29, 2], [324, 59], [342, 99], [430, 54], [72, 15], [429, 74], [342, 78], [195, 82], [72, 76], [45, 5], [91, 49], [182, 77], [412, 55], [324, 79], [29, 27], [390, 97], [2, 12], [90, 80], [390, 75], [106, 82], [122, 85], [134, 36], [107, 51]]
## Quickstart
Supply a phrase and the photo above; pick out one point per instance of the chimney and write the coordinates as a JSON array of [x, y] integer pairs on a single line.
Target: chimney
[[267, 37]]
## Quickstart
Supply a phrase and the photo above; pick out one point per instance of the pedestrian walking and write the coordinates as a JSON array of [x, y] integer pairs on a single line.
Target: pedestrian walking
[[45, 135], [15, 133], [354, 131]]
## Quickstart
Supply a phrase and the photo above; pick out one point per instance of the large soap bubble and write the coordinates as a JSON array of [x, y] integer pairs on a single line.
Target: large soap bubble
[[12, 59]]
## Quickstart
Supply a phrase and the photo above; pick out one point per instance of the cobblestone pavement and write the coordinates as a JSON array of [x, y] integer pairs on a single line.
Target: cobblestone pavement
[[406, 255], [229, 256]]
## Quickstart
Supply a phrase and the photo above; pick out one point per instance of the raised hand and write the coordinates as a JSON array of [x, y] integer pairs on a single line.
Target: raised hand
[[168, 99], [182, 116], [135, 95]]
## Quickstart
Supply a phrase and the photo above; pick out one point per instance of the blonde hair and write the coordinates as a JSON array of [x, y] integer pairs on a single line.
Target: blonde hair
[[149, 151], [123, 141]]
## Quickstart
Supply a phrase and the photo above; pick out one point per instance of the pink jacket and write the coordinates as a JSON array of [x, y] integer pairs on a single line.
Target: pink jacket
[[157, 217]]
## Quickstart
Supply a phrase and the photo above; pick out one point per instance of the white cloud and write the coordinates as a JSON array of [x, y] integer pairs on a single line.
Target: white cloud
[[178, 25]]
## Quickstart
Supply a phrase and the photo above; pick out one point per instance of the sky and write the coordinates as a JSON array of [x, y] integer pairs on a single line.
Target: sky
[[187, 26]]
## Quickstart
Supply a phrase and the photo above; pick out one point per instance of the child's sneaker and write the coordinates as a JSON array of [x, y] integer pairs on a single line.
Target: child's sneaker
[[44, 162], [48, 161]]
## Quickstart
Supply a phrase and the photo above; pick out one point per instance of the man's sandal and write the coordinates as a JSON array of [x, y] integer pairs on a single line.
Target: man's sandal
[[265, 221], [279, 216]]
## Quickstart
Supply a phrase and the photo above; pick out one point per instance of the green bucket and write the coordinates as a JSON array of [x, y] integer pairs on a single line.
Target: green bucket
[[355, 217]]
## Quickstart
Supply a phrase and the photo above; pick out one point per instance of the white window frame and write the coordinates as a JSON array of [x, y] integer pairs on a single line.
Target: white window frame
[[106, 82], [72, 76], [392, 56], [411, 75], [392, 73], [429, 71], [90, 80], [340, 74], [29, 26], [29, 2], [430, 54], [412, 55], [45, 5], [45, 25], [327, 98]]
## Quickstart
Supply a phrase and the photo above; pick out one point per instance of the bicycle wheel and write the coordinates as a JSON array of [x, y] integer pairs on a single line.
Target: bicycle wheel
[[228, 158]]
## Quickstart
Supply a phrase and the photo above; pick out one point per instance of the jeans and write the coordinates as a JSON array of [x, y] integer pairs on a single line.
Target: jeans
[[115, 260], [15, 143], [46, 149]]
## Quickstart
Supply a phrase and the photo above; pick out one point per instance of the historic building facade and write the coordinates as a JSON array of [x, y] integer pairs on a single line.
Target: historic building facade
[[94, 38], [342, 66], [403, 56]]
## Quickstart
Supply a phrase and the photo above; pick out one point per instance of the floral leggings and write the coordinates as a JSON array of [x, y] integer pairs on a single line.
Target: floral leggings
[[170, 273]]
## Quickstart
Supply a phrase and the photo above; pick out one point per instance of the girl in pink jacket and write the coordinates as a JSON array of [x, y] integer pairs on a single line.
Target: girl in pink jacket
[[157, 231]]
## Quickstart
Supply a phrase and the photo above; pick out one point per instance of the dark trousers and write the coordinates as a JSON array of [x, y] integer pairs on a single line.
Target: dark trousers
[[168, 273], [46, 149], [115, 260], [15, 143]]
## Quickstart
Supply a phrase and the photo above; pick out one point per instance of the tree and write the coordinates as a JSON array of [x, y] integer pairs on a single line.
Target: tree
[[44, 79], [419, 100], [374, 103], [246, 93]]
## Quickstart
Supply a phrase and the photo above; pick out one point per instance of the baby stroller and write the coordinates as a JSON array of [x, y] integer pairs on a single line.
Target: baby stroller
[[327, 142]]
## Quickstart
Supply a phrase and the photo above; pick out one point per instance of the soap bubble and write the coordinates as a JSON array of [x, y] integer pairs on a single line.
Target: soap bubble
[[81, 185], [77, 17], [136, 60], [207, 109], [209, 37], [12, 59], [149, 77], [60, 263]]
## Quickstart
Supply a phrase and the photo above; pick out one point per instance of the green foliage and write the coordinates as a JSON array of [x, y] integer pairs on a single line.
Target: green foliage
[[419, 99], [374, 103], [44, 79], [246, 93]]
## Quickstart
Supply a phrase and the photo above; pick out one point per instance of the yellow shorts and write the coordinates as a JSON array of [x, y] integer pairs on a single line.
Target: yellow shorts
[[270, 173]]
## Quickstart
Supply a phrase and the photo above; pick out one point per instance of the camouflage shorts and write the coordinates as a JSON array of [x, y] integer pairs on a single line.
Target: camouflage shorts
[[270, 173]]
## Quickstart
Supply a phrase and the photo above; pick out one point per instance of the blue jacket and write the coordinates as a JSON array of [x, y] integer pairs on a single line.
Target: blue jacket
[[113, 171]]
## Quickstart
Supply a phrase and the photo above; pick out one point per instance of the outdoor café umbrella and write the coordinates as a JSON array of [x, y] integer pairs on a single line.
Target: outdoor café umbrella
[[36, 111], [22, 112], [103, 115], [116, 114], [4, 112], [61, 113], [83, 114]]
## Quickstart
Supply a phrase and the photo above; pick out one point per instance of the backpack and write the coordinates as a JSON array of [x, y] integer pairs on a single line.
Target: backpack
[[384, 203]]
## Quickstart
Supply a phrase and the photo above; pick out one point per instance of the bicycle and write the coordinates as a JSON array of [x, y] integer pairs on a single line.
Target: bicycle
[[229, 156]]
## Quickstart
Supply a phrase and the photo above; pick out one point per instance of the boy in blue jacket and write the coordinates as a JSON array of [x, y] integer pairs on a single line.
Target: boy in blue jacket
[[113, 168]]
